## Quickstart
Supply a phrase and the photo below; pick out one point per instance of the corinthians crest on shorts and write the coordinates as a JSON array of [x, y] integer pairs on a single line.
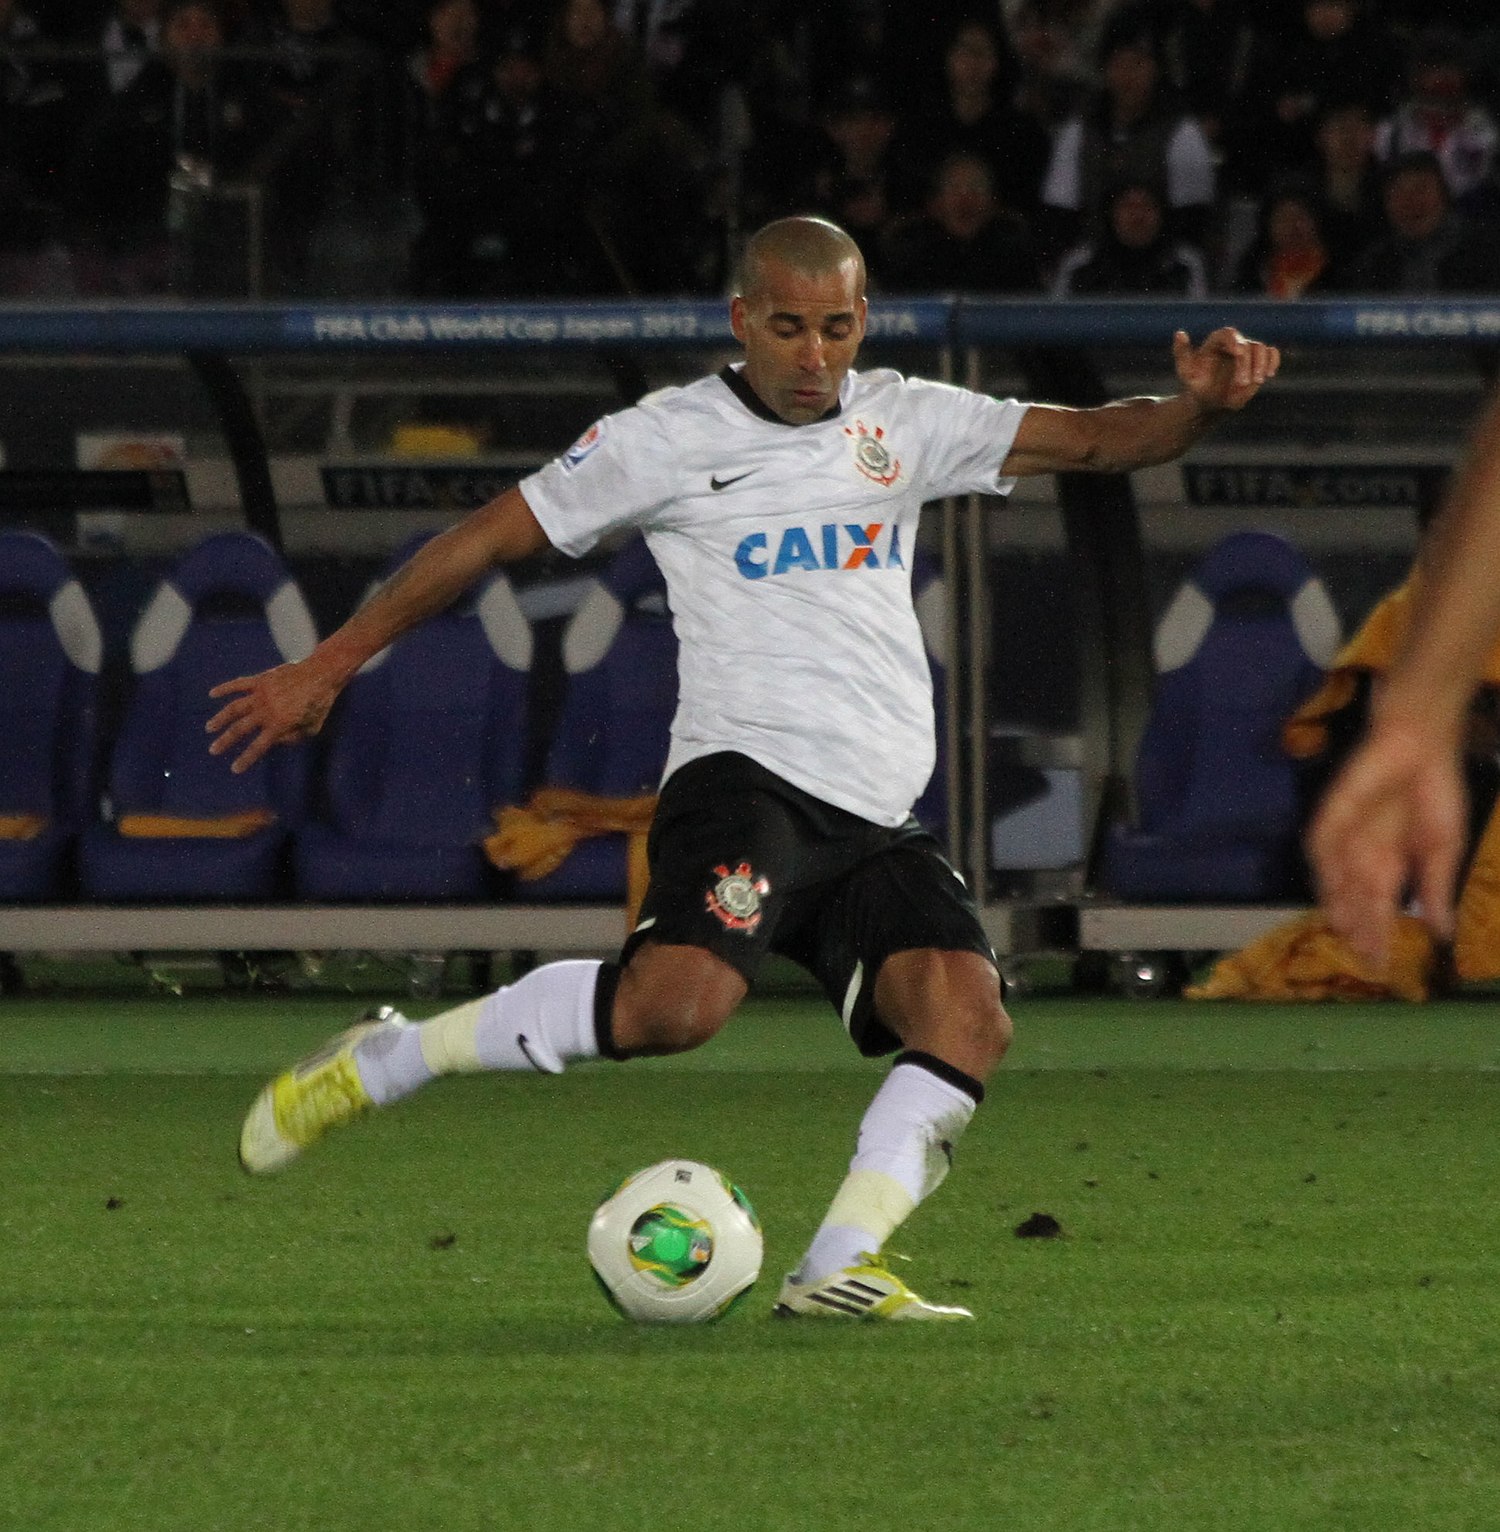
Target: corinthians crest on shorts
[[735, 898], [871, 455]]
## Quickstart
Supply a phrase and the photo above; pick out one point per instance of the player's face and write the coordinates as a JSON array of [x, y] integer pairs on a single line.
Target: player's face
[[800, 332]]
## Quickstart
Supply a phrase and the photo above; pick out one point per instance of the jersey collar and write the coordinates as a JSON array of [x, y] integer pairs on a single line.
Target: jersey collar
[[734, 381]]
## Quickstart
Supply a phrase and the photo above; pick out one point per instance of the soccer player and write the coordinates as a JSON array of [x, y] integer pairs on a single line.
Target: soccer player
[[1394, 817], [781, 499]]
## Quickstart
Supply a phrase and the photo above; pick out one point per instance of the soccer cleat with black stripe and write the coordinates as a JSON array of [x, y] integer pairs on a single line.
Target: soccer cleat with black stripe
[[317, 1093], [870, 1290]]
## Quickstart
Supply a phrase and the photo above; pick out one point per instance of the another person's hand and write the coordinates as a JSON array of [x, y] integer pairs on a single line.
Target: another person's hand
[[289, 702], [1227, 370], [1393, 821]]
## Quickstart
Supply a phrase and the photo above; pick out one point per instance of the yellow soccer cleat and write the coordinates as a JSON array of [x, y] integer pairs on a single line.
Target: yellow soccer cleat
[[317, 1093], [867, 1291]]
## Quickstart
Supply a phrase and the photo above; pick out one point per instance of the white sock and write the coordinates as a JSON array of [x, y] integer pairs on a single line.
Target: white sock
[[906, 1141], [542, 1022]]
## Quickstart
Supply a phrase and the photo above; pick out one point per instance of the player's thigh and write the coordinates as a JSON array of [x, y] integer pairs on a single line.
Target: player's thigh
[[906, 902], [725, 854]]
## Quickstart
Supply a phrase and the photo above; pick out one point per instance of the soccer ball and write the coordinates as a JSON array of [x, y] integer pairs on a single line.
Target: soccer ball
[[675, 1243]]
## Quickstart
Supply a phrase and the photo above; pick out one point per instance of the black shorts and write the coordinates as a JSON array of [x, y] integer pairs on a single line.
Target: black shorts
[[743, 863]]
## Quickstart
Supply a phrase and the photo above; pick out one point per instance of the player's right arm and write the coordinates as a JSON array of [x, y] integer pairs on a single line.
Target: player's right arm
[[1394, 818], [290, 702]]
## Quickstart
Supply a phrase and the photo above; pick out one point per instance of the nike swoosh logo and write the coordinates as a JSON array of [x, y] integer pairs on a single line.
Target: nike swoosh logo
[[717, 483]]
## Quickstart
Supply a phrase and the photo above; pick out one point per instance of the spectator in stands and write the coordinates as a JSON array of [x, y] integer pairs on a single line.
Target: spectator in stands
[[967, 241], [853, 178], [37, 123], [1206, 48], [690, 52], [40, 116], [450, 44], [1136, 256], [974, 116], [1134, 131], [1347, 177], [439, 72], [330, 164], [486, 173], [1056, 43], [140, 186], [1428, 246], [1438, 113], [1291, 257], [783, 95], [1337, 54], [125, 37], [592, 67], [898, 42], [635, 172]]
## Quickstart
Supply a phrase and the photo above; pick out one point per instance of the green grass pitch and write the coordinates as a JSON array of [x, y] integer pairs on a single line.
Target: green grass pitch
[[1274, 1307]]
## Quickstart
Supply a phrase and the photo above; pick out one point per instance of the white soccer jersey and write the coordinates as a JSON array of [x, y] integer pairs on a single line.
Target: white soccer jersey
[[787, 556]]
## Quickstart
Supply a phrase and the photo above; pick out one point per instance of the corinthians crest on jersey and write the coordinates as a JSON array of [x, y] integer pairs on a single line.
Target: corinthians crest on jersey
[[872, 456], [735, 898]]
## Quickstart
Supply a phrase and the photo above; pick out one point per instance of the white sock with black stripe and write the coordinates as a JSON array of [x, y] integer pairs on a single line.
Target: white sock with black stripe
[[906, 1142]]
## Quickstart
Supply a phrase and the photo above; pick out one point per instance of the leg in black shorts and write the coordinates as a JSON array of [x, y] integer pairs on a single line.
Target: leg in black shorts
[[743, 863]]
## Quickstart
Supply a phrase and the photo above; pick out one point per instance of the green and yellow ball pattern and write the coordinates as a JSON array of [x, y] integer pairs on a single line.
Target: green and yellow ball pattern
[[671, 1244]]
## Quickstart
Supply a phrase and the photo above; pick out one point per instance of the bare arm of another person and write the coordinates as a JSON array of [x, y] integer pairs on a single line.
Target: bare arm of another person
[[290, 702], [1395, 816], [1220, 376]]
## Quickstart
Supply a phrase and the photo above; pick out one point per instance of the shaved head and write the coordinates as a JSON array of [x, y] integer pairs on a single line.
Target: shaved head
[[807, 246], [800, 315]]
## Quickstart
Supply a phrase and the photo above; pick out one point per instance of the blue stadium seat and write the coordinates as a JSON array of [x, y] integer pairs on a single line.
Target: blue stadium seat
[[229, 608], [50, 654], [614, 725], [1245, 639], [427, 739]]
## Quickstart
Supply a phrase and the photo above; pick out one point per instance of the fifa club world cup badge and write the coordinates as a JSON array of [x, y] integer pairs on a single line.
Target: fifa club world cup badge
[[735, 898], [583, 447], [871, 455]]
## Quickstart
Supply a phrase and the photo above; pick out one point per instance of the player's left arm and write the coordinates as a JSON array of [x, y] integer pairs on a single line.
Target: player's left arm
[[1218, 377]]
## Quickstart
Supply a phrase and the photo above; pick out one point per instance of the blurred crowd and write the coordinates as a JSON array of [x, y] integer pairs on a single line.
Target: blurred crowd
[[529, 148]]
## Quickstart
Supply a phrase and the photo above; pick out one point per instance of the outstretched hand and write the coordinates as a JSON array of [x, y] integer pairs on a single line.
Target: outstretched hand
[[289, 702], [1394, 820], [1227, 370]]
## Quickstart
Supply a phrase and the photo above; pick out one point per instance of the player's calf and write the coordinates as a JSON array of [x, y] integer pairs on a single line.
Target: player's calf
[[906, 1144], [947, 1005]]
